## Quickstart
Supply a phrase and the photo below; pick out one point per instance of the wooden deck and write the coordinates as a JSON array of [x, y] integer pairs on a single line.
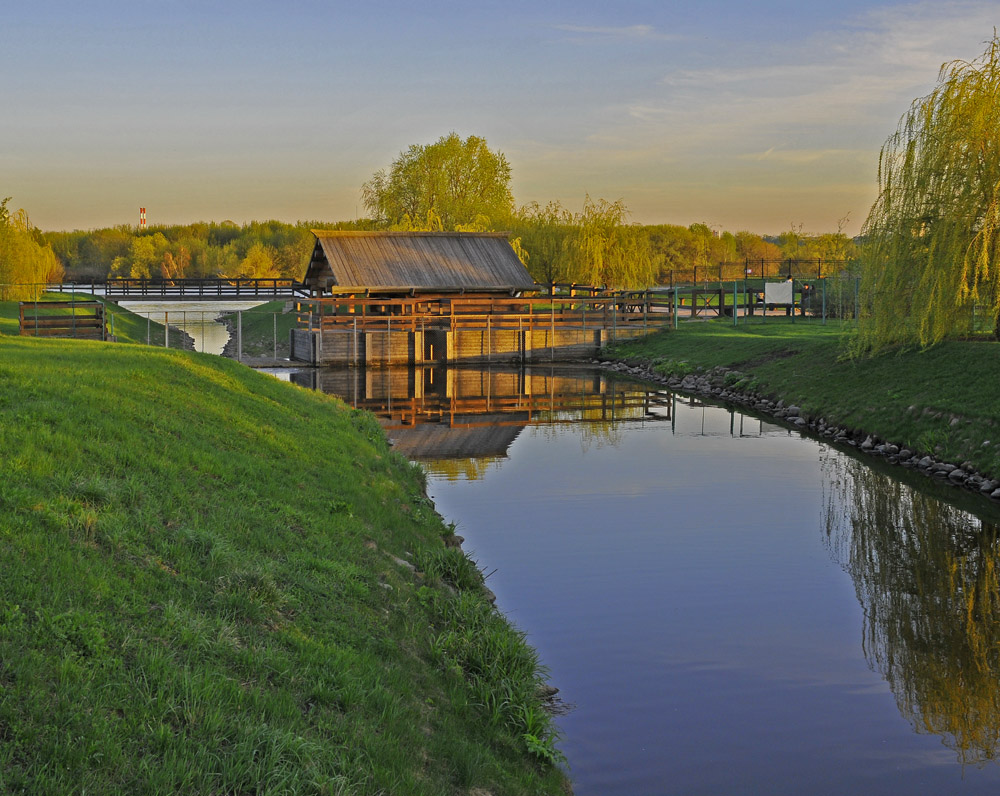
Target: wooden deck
[[358, 330]]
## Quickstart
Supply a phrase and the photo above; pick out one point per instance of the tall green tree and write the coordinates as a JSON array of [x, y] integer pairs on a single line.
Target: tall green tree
[[932, 238], [542, 239], [449, 184], [25, 264], [608, 250]]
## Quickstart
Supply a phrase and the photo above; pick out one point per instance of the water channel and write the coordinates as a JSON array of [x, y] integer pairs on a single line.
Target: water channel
[[202, 320], [727, 606]]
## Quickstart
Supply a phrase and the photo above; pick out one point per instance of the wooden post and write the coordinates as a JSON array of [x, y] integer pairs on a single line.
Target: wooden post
[[552, 339]]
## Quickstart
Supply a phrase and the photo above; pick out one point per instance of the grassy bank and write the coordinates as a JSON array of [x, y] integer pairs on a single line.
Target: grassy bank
[[127, 327], [265, 331], [940, 401], [214, 582]]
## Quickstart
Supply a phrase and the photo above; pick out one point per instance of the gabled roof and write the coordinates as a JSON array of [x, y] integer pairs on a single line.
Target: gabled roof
[[404, 261]]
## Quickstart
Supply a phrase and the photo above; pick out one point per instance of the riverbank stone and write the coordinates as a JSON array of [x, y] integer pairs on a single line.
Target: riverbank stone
[[714, 383]]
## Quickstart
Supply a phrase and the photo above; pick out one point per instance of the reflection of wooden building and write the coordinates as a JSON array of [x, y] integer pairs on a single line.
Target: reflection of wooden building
[[444, 413], [428, 297]]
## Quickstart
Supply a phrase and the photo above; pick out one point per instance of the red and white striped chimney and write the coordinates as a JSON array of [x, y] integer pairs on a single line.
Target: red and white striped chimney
[[142, 218]]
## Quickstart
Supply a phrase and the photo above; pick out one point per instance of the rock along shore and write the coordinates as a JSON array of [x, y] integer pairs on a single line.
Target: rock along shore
[[720, 383]]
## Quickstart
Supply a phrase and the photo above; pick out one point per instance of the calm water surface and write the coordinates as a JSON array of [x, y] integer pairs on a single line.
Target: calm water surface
[[729, 607], [200, 319]]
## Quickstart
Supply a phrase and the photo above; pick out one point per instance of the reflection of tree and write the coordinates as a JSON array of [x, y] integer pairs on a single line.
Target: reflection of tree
[[926, 576], [592, 433], [462, 469]]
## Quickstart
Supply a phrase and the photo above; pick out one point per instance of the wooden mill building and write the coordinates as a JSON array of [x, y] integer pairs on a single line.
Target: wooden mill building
[[427, 297]]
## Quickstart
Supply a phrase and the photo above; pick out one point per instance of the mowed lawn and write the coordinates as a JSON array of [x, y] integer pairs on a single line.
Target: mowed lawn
[[940, 400], [214, 582]]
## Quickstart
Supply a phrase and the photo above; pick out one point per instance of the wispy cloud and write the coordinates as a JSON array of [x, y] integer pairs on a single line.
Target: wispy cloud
[[646, 32], [799, 120], [803, 157]]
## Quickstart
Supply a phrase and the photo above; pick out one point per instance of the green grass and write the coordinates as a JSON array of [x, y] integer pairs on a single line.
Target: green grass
[[202, 594], [262, 326], [939, 401], [127, 326]]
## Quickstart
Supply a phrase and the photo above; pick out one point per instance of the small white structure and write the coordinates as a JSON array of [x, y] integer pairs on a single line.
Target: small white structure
[[778, 293]]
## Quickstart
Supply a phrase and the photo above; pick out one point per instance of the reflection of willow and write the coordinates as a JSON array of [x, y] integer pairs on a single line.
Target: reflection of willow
[[926, 576], [461, 469]]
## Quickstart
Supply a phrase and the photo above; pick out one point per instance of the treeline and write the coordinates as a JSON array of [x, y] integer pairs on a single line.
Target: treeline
[[260, 250], [456, 184], [595, 246], [452, 184], [25, 259]]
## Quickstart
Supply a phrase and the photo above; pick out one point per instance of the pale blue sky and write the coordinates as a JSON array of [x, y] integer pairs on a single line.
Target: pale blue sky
[[744, 115]]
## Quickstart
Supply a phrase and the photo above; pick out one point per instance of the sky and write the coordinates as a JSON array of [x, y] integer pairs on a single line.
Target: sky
[[761, 116]]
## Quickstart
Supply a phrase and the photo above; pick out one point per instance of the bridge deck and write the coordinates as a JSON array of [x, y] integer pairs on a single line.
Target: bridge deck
[[202, 289]]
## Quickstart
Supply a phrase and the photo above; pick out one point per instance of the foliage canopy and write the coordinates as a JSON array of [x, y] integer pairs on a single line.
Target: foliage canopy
[[932, 248], [595, 247], [448, 185], [25, 262]]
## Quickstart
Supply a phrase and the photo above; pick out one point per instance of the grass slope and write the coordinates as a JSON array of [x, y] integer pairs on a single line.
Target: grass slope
[[938, 401], [265, 330], [204, 591], [128, 327]]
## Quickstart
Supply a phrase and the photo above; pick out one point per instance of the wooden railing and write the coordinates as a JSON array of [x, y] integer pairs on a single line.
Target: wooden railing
[[202, 289], [626, 309]]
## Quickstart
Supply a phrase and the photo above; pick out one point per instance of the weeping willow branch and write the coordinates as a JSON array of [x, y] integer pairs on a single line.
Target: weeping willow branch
[[932, 248]]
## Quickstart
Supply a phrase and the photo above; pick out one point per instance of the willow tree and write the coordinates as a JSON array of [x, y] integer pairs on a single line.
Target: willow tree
[[932, 250], [609, 251], [542, 235], [26, 265], [927, 576]]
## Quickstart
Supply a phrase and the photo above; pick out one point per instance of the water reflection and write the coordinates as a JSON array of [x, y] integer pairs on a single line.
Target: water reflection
[[926, 575], [460, 422], [662, 554], [202, 320]]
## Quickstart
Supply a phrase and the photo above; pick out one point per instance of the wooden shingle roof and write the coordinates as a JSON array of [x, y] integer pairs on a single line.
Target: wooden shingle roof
[[404, 261]]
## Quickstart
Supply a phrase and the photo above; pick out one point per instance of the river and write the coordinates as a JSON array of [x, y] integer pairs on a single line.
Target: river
[[727, 606]]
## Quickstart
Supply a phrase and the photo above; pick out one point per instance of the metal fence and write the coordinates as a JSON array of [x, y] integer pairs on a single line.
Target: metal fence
[[756, 300], [760, 269], [244, 335]]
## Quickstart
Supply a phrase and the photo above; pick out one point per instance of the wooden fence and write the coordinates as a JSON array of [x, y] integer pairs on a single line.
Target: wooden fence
[[120, 289], [626, 309], [80, 319]]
